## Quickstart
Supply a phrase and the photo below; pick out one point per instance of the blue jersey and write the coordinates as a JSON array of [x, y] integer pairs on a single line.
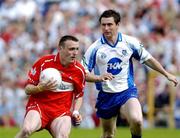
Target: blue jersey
[[102, 57]]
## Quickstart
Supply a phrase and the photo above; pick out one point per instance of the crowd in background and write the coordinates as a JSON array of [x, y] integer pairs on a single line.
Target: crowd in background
[[32, 28]]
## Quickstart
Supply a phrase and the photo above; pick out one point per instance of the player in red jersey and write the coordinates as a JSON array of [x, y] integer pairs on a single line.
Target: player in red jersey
[[50, 107]]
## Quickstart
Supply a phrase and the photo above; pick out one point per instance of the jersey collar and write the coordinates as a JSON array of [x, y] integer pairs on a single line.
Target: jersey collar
[[105, 41]]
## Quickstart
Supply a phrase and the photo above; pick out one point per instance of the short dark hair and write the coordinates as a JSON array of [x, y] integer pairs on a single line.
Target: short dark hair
[[111, 13], [65, 38]]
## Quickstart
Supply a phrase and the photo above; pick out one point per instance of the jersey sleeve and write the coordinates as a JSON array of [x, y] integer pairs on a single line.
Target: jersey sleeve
[[34, 73], [89, 58], [79, 82], [139, 52]]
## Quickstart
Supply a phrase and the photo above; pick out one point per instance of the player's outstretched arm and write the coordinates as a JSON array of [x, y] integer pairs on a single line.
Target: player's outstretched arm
[[95, 78], [154, 64]]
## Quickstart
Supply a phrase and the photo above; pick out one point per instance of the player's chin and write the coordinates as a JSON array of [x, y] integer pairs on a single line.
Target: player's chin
[[107, 35], [72, 60]]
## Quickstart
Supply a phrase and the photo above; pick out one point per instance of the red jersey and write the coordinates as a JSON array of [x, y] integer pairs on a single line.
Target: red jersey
[[73, 80]]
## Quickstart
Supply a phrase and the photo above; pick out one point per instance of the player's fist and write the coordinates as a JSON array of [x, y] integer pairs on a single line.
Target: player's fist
[[76, 118]]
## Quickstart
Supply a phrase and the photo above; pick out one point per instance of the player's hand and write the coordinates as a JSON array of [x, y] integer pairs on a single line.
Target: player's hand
[[48, 85], [172, 78], [106, 76], [76, 118]]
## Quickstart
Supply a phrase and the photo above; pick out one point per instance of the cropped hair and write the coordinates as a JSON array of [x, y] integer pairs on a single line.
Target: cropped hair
[[111, 13], [65, 38]]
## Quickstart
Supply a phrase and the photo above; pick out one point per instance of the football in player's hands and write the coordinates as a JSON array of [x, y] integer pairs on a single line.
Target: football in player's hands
[[51, 74]]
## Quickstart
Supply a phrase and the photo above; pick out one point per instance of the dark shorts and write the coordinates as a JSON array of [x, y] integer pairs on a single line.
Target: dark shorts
[[108, 104]]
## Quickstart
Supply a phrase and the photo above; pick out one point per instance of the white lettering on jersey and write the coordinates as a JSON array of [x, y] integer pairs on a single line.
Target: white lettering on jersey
[[114, 65], [65, 86]]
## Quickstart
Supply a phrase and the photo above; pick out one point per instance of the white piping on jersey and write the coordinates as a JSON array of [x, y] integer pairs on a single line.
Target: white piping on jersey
[[39, 110], [83, 78], [55, 58], [32, 80], [35, 105], [48, 60], [82, 73], [62, 114]]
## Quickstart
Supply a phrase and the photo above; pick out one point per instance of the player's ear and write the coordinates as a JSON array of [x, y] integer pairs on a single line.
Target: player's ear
[[118, 23], [60, 47]]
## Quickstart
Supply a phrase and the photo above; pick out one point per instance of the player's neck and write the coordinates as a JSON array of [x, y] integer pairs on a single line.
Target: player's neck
[[112, 40], [63, 62]]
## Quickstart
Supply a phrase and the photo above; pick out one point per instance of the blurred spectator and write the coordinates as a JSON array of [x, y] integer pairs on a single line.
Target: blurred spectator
[[162, 107]]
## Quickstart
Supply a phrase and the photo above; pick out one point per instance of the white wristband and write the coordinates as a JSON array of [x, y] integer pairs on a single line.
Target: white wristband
[[75, 112]]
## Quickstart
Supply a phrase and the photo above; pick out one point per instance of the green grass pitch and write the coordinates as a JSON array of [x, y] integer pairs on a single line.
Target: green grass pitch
[[95, 133]]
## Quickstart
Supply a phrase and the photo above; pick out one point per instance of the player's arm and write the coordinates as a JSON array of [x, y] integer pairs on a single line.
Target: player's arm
[[41, 87], [76, 116], [78, 103], [98, 78], [79, 82], [90, 77], [88, 62], [145, 57], [154, 64], [32, 89]]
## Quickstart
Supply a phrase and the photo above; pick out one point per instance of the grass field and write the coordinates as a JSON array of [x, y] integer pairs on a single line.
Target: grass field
[[95, 133]]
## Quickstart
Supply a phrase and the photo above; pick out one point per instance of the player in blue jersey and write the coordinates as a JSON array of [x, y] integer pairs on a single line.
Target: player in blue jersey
[[112, 56]]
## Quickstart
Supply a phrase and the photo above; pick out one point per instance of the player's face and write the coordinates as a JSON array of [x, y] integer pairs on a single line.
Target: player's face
[[109, 27], [69, 52]]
